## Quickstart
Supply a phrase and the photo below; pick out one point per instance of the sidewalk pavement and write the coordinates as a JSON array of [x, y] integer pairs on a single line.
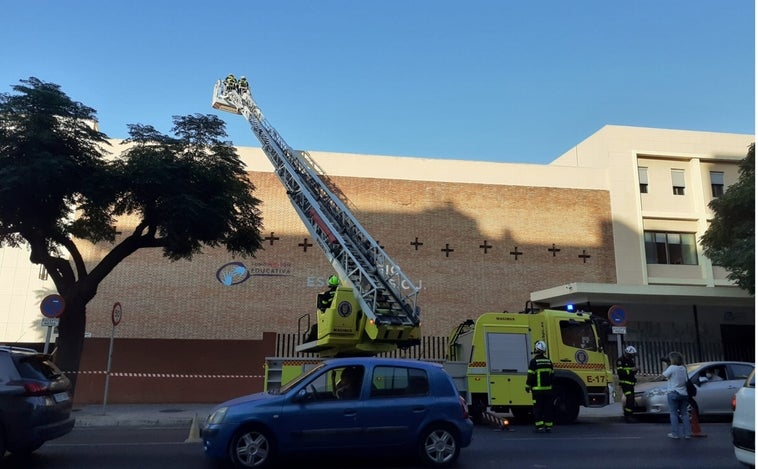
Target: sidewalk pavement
[[95, 415]]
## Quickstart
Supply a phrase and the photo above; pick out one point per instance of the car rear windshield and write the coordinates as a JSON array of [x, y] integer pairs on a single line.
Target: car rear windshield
[[38, 367]]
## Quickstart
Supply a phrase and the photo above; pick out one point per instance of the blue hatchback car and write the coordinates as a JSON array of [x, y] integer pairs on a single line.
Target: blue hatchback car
[[345, 405]]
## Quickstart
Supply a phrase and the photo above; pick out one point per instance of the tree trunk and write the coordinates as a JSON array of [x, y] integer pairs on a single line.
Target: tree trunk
[[71, 340]]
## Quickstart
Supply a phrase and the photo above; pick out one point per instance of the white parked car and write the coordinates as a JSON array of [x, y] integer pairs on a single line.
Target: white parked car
[[743, 422]]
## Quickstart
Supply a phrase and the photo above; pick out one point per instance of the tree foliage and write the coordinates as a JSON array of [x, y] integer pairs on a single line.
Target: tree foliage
[[730, 239], [59, 184]]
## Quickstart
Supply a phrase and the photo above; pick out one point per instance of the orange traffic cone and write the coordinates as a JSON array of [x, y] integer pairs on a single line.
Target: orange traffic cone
[[695, 421]]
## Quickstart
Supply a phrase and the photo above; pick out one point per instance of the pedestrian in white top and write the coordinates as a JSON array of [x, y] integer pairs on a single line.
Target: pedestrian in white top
[[676, 374]]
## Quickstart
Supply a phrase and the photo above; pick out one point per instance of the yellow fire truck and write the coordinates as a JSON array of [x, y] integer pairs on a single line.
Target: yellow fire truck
[[495, 351], [375, 309], [488, 360]]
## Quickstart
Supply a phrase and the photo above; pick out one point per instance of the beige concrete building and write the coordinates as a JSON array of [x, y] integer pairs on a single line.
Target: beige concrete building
[[615, 221]]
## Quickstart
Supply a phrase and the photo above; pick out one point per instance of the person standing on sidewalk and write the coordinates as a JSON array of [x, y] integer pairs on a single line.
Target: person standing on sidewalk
[[626, 369], [539, 381], [678, 400]]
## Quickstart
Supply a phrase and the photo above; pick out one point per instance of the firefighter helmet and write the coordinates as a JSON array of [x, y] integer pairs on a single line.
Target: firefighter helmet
[[630, 350], [334, 281], [540, 346]]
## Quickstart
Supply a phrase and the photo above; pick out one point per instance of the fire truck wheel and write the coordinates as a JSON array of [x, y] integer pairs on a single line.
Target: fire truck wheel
[[566, 404], [476, 411]]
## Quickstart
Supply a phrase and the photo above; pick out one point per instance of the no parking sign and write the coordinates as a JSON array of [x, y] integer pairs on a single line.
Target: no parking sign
[[52, 306], [617, 317]]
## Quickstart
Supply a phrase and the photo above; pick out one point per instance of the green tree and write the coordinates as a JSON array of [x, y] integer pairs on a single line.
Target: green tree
[[730, 239], [60, 185]]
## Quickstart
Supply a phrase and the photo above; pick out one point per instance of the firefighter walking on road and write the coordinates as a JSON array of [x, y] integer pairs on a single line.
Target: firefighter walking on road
[[627, 370], [539, 381]]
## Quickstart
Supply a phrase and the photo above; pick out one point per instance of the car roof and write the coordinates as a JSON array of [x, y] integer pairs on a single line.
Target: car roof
[[374, 361], [724, 362], [14, 349]]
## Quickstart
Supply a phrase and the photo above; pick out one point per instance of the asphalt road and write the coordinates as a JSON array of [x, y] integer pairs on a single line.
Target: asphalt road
[[595, 444]]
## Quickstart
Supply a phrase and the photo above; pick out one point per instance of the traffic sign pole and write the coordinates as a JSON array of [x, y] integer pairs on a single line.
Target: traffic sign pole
[[617, 317], [116, 315], [52, 306], [47, 339]]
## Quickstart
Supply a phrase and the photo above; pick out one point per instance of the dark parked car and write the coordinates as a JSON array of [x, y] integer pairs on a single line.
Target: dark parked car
[[35, 400], [346, 405], [716, 383]]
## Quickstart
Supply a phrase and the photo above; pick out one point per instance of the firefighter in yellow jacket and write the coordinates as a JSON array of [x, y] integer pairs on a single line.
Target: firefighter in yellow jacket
[[626, 370], [326, 297], [230, 83], [539, 381]]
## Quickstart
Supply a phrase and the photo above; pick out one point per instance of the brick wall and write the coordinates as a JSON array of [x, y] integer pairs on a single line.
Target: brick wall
[[185, 300]]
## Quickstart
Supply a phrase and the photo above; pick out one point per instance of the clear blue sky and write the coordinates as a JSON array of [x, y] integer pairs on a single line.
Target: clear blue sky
[[497, 80]]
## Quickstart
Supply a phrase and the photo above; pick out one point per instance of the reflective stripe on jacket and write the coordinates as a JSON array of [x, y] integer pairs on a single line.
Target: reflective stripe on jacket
[[540, 374], [625, 370]]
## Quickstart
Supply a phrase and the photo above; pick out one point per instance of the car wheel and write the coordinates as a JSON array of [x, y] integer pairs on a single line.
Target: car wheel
[[252, 447], [439, 446]]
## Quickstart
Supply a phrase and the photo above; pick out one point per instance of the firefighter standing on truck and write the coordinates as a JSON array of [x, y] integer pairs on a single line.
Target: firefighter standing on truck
[[230, 83], [325, 298], [627, 373], [539, 381]]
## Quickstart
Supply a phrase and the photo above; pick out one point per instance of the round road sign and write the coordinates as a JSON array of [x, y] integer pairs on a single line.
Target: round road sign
[[116, 314], [52, 306], [617, 316]]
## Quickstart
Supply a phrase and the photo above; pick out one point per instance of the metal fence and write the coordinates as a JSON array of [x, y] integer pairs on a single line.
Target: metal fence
[[434, 348], [431, 348], [650, 353]]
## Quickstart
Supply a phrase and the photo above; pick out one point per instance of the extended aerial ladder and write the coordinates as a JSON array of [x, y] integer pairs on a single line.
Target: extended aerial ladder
[[388, 315]]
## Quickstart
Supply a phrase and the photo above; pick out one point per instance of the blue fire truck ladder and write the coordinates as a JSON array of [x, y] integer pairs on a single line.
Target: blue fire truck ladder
[[385, 294]]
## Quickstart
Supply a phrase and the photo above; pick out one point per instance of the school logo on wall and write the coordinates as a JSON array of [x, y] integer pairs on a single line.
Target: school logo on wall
[[235, 273], [232, 273]]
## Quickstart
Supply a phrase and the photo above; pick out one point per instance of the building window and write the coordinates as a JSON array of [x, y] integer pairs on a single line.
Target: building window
[[670, 248], [677, 180], [642, 172], [717, 183]]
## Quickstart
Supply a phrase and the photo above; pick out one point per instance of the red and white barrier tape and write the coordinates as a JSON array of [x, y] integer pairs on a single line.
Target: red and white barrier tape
[[161, 375]]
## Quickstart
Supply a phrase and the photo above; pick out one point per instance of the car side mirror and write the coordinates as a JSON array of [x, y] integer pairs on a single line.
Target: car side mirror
[[301, 396]]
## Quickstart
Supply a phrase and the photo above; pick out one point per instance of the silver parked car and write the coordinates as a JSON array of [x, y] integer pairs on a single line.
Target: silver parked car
[[716, 383]]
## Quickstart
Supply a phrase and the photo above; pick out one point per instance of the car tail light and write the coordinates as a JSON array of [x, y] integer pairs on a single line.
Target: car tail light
[[464, 406], [32, 388], [734, 402]]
